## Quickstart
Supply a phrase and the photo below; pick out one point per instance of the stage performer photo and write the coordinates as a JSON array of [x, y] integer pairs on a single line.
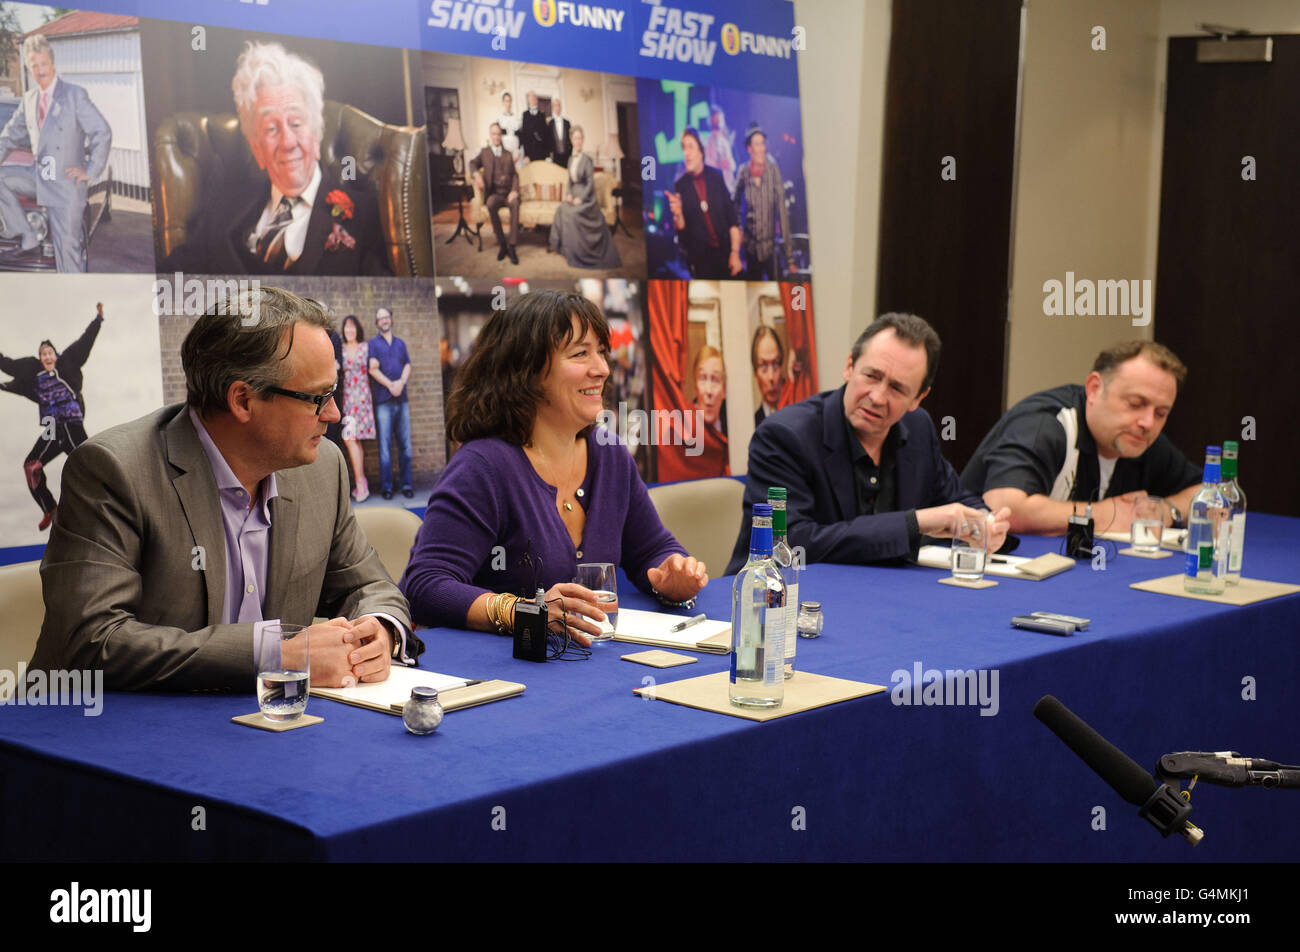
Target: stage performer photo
[[52, 380]]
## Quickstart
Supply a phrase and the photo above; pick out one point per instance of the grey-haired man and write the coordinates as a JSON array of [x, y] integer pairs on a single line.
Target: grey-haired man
[[181, 535]]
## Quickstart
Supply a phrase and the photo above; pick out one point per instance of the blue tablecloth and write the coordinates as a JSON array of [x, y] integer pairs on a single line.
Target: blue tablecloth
[[580, 768]]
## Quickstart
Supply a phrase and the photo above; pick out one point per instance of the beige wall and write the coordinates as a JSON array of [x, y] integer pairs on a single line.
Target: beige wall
[[1083, 198], [842, 99]]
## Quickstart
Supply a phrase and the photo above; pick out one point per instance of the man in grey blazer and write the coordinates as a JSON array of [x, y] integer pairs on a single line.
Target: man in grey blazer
[[180, 535], [70, 141]]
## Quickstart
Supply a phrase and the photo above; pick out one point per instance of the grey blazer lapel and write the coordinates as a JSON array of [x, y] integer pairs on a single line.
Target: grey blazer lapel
[[196, 488], [284, 533]]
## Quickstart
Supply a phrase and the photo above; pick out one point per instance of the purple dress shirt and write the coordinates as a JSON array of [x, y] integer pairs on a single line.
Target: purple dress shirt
[[490, 507]]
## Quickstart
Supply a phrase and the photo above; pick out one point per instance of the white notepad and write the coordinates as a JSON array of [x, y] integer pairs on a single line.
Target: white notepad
[[655, 628], [396, 689]]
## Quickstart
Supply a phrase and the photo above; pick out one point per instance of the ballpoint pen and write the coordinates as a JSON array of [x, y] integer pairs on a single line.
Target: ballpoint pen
[[681, 626]]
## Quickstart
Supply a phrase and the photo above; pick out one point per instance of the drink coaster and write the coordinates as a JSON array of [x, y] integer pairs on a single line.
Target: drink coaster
[[264, 723]]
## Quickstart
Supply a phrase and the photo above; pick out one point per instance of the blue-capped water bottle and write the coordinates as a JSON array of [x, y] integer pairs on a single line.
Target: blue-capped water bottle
[[758, 622]]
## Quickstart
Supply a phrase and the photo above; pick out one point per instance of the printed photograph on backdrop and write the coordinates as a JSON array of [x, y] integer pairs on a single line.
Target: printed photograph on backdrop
[[534, 168], [466, 304], [386, 337], [782, 345], [726, 198], [689, 417], [74, 166], [279, 155], [78, 354]]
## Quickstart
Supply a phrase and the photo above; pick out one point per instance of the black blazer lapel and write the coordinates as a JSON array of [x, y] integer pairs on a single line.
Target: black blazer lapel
[[319, 227], [839, 461], [232, 239]]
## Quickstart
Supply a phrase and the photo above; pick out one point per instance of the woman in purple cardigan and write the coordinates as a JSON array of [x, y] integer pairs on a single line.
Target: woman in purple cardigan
[[537, 487]]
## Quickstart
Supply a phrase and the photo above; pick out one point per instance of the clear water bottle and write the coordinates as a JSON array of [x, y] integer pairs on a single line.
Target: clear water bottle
[[758, 622], [1206, 548], [1236, 496], [783, 555]]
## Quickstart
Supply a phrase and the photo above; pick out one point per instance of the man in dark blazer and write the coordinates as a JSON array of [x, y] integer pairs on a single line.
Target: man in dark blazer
[[533, 131], [708, 230], [495, 175], [862, 465], [181, 535], [300, 218], [558, 135]]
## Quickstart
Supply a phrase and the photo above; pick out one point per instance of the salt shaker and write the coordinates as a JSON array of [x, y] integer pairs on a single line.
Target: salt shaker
[[809, 622], [422, 713]]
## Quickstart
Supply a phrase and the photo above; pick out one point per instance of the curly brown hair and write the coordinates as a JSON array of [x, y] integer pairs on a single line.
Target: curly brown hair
[[498, 388]]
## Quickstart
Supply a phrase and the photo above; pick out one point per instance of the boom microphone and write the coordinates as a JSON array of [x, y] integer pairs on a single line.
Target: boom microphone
[[1160, 803]]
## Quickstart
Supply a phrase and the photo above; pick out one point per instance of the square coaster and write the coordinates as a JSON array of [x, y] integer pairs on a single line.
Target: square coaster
[[1162, 554], [659, 659], [264, 723], [957, 583], [803, 692]]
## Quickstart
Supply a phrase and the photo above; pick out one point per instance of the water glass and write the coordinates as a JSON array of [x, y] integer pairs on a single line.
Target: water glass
[[283, 672], [970, 541], [1148, 525], [601, 578]]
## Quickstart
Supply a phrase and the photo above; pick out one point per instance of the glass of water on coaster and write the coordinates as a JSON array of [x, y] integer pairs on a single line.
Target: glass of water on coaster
[[970, 546], [283, 672], [1148, 525], [601, 579]]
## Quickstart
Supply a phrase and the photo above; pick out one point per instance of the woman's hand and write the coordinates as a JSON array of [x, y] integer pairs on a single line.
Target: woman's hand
[[579, 613], [679, 577]]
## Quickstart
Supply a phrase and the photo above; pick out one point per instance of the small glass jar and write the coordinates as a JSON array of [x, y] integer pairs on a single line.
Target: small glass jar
[[809, 622], [422, 713]]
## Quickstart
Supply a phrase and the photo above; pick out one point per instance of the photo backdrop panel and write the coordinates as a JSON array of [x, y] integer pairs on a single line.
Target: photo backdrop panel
[[74, 178], [722, 118], [466, 305], [106, 372], [412, 303], [782, 345], [600, 234], [357, 165]]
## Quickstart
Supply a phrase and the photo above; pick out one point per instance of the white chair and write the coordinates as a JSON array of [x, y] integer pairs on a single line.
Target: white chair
[[391, 530], [24, 610], [704, 515]]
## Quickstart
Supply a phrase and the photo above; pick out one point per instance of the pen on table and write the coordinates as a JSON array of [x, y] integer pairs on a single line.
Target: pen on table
[[682, 625]]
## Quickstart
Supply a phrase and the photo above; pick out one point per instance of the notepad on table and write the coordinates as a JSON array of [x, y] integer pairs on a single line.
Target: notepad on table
[[655, 628], [392, 693], [1004, 566]]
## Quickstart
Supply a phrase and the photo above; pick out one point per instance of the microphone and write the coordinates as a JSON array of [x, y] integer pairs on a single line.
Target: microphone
[[1160, 804]]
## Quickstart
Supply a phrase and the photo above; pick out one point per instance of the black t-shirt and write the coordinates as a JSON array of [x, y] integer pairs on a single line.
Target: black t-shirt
[[1027, 450]]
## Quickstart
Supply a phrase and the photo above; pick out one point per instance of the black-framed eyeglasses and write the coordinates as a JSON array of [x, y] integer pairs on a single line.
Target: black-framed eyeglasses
[[320, 399]]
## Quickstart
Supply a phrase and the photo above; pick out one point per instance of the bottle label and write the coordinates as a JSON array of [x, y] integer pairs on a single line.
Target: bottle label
[[1205, 552], [791, 619], [774, 645], [1238, 541], [1190, 568]]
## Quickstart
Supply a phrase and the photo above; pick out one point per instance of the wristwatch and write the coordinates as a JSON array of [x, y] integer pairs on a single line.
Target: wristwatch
[[1178, 522]]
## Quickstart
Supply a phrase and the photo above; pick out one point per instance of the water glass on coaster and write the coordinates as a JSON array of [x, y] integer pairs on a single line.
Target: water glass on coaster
[[1148, 525], [283, 672], [601, 578], [970, 546]]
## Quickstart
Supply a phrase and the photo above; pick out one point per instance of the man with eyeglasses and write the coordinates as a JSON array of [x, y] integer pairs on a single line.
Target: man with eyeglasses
[[862, 465], [180, 536]]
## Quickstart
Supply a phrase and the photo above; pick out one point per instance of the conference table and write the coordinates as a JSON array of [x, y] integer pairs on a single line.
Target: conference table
[[581, 768]]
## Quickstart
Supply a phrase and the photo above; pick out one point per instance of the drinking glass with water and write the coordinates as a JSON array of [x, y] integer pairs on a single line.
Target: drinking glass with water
[[1148, 525], [970, 546], [283, 672], [600, 577]]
